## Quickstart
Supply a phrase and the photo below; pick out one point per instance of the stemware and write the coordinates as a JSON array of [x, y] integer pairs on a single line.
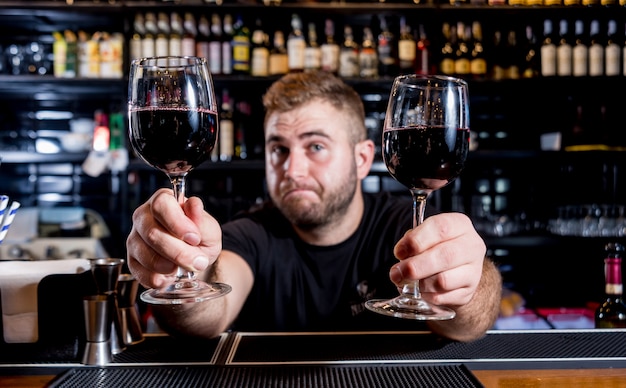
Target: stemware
[[173, 125], [425, 145]]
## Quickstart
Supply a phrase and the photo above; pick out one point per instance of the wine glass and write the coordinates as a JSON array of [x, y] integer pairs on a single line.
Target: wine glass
[[425, 145], [173, 124]]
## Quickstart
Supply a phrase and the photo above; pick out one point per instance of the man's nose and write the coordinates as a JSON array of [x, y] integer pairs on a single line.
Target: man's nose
[[296, 165]]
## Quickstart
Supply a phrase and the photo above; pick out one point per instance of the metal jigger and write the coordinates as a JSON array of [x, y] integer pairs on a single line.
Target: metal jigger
[[106, 273], [127, 287], [97, 313]]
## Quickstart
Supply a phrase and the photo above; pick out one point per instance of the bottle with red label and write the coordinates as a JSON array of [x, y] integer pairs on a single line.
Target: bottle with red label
[[612, 312]]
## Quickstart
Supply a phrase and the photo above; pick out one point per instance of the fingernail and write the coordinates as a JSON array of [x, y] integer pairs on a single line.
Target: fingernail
[[395, 274], [191, 239], [200, 263]]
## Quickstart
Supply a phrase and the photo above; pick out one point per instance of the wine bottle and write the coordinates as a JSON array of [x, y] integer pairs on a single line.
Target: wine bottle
[[548, 50], [175, 41], [407, 48], [580, 51], [162, 42], [227, 128], [530, 66], [139, 30], [612, 51], [511, 54], [148, 44], [478, 62], [227, 44], [462, 53], [423, 57], [564, 51], [215, 44], [203, 47], [188, 43], [612, 312], [259, 62], [330, 49], [446, 66], [596, 50], [386, 46]]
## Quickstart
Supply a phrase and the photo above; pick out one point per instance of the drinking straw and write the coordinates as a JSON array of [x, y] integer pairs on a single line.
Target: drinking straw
[[4, 201], [6, 222]]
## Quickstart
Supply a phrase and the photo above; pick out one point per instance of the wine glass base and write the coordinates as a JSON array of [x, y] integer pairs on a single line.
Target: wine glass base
[[417, 309], [185, 291]]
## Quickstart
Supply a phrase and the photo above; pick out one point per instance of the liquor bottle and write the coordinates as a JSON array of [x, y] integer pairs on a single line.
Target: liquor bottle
[[530, 65], [612, 312], [296, 44], [330, 49], [259, 62], [241, 47], [227, 128], [446, 65], [162, 42], [348, 54], [203, 49], [462, 53], [148, 43], [548, 50], [386, 46], [227, 48], [564, 51], [279, 61], [368, 56], [188, 44], [407, 48], [612, 51], [580, 51], [511, 52], [423, 60], [175, 41], [312, 51], [596, 50], [215, 45]]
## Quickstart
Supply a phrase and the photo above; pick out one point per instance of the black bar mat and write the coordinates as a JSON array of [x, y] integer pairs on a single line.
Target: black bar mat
[[255, 348], [166, 349], [375, 376]]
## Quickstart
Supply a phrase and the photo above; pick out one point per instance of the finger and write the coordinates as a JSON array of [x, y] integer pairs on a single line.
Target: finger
[[145, 264]]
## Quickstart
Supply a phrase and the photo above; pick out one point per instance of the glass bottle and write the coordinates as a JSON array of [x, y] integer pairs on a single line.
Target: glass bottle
[[462, 52], [278, 62], [564, 51], [446, 66], [162, 42], [368, 57], [227, 128], [548, 50], [175, 41], [241, 47], [580, 51], [596, 50], [188, 43], [478, 62], [259, 62], [530, 64], [612, 312], [296, 45], [423, 57], [386, 43], [215, 44], [407, 48], [612, 51], [227, 48], [330, 49], [348, 55], [312, 52], [203, 49]]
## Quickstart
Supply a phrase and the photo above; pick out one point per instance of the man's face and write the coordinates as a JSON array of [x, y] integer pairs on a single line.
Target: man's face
[[310, 163]]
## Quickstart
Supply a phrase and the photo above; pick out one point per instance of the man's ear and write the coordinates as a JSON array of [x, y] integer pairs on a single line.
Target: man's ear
[[364, 157]]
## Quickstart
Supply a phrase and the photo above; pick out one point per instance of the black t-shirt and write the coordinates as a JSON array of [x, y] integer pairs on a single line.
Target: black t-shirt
[[302, 287]]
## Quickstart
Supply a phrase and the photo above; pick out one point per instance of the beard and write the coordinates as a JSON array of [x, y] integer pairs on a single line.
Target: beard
[[333, 205]]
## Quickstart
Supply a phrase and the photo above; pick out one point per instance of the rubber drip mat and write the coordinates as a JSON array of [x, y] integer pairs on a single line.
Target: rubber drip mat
[[378, 376], [266, 348]]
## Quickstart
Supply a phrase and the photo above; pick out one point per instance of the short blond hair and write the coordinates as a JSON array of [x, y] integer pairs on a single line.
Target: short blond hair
[[296, 89]]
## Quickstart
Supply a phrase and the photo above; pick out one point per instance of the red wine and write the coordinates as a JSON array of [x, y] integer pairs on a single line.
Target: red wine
[[425, 158], [173, 140]]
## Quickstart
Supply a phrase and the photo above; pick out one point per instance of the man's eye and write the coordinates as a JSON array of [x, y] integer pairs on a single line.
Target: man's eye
[[317, 147]]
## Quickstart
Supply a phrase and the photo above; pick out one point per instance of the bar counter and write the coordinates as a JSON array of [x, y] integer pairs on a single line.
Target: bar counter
[[535, 358]]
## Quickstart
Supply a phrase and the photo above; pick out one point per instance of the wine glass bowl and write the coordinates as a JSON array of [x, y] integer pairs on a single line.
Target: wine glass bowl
[[424, 147], [173, 127]]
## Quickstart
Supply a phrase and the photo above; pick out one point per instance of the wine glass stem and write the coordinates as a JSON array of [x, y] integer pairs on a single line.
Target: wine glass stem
[[412, 289], [178, 183]]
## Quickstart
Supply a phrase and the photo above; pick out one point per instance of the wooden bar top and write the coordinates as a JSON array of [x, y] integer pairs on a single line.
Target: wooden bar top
[[542, 378]]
